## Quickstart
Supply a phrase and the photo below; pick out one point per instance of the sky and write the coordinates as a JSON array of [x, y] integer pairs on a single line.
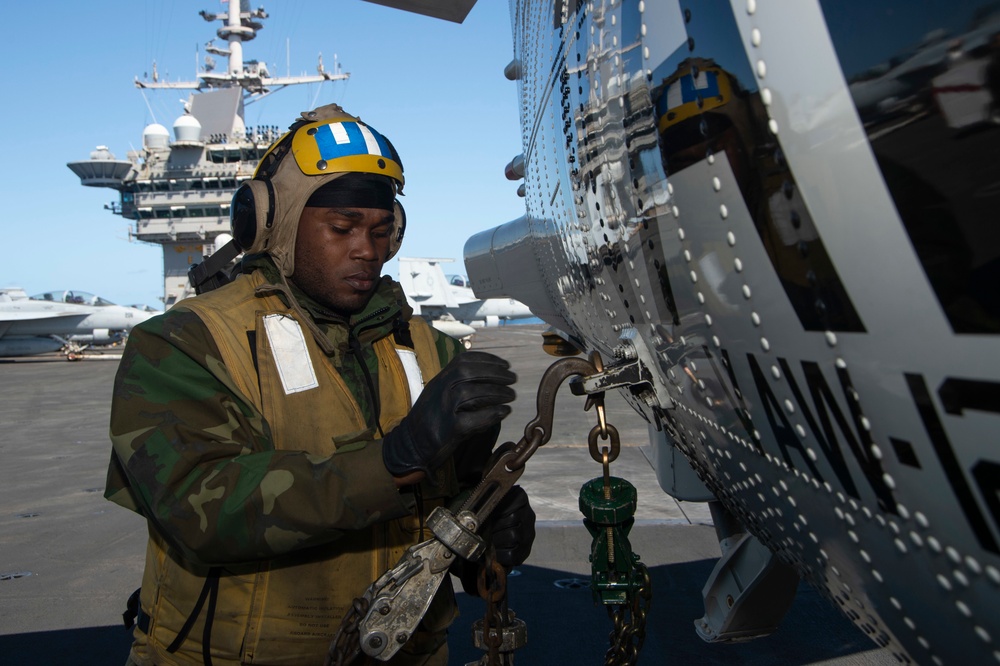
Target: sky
[[435, 89]]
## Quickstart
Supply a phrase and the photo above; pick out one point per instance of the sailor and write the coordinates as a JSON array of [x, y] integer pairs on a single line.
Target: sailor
[[285, 435]]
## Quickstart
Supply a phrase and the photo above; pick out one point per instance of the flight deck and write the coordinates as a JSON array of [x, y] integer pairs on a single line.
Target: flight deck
[[70, 558]]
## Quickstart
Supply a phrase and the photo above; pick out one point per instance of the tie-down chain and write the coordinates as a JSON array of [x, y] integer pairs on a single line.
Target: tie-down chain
[[618, 579], [385, 617]]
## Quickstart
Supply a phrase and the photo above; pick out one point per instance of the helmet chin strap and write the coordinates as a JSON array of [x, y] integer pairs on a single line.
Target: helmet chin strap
[[209, 274]]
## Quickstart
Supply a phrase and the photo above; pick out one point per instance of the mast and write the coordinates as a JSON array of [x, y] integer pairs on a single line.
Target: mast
[[240, 25]]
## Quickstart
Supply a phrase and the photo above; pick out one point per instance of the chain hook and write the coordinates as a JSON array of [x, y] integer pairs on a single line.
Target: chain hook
[[539, 429]]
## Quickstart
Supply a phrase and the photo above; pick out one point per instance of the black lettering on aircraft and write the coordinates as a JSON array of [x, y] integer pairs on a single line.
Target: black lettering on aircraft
[[826, 438], [955, 394], [825, 419], [905, 453], [958, 395], [785, 435], [861, 444]]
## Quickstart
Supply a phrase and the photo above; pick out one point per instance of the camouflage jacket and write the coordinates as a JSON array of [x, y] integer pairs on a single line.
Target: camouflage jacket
[[177, 422]]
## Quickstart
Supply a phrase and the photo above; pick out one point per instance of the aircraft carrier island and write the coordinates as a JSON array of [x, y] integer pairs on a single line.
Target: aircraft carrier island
[[176, 190]]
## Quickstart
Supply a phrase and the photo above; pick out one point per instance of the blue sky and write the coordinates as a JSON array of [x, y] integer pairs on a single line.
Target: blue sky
[[436, 89]]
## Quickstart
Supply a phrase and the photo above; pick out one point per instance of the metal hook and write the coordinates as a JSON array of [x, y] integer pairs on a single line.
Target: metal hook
[[539, 429]]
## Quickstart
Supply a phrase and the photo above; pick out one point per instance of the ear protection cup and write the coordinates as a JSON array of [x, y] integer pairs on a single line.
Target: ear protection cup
[[250, 213], [398, 229]]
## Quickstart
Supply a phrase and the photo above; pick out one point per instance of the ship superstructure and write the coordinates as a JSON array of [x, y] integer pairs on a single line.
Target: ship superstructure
[[176, 191]]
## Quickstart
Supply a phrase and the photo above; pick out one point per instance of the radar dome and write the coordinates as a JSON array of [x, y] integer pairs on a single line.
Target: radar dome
[[155, 136], [187, 128], [220, 242], [101, 153]]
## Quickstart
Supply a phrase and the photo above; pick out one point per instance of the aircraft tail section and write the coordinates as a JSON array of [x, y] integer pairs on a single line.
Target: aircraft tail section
[[425, 284]]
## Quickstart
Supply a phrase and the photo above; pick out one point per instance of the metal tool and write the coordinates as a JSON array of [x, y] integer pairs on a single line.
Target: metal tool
[[399, 598]]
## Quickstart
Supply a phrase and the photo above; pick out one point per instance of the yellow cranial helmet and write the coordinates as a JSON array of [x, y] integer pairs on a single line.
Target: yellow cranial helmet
[[321, 146]]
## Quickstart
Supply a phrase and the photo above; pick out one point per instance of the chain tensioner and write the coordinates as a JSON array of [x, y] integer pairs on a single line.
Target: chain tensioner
[[385, 617], [618, 579]]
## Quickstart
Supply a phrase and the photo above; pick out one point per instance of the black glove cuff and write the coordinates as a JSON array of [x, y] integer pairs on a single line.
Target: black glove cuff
[[468, 573], [512, 528], [400, 453]]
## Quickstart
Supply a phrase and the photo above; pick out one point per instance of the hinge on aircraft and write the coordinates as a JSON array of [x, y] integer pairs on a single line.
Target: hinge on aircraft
[[628, 371], [750, 588]]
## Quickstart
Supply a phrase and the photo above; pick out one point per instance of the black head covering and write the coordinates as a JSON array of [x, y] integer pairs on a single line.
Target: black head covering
[[355, 190]]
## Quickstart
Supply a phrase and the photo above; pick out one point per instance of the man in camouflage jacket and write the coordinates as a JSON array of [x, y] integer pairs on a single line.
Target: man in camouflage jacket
[[285, 435]]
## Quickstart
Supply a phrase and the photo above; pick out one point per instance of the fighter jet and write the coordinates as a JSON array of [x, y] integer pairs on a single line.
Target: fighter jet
[[449, 299], [68, 320]]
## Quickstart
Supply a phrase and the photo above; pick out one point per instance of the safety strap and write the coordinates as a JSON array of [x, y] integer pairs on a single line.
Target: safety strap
[[132, 610], [210, 273], [209, 590], [401, 334]]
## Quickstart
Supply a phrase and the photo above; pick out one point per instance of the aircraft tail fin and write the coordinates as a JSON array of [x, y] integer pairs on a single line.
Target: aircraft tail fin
[[424, 283]]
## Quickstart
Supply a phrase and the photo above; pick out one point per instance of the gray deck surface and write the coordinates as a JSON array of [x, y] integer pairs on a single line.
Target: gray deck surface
[[69, 558]]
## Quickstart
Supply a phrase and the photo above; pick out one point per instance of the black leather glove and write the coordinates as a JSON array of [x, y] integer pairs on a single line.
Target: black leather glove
[[472, 457], [511, 531], [466, 398], [512, 528]]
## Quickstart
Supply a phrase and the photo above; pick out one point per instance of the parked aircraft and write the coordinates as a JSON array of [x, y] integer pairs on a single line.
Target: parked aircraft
[[70, 320], [800, 296], [441, 297], [942, 67]]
